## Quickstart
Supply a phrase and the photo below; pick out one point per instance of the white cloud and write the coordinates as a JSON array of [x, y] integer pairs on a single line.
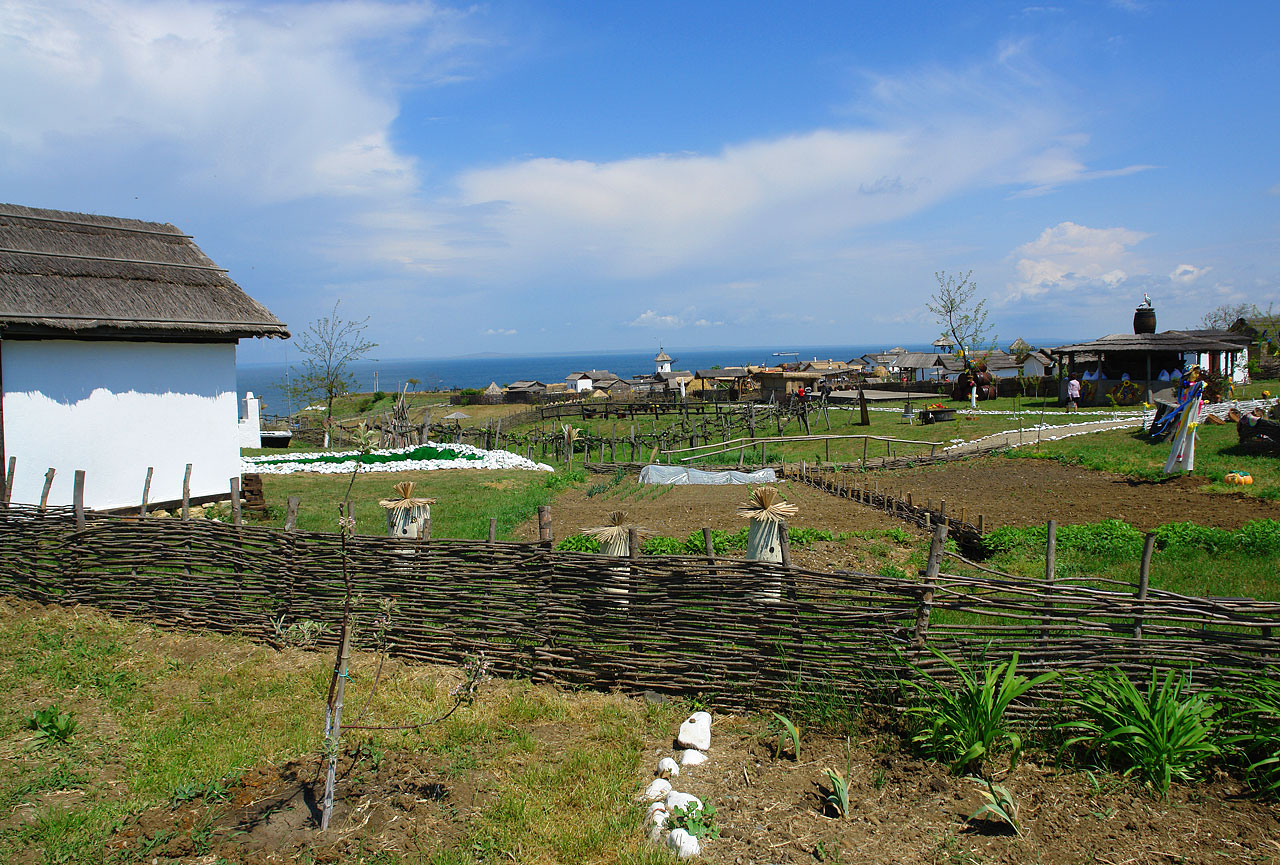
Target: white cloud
[[269, 102], [650, 318], [1188, 273], [919, 140], [500, 331], [1071, 256]]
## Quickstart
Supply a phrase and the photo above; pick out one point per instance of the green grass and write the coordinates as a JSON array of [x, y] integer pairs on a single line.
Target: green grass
[[1134, 454], [203, 709], [465, 498], [1189, 559]]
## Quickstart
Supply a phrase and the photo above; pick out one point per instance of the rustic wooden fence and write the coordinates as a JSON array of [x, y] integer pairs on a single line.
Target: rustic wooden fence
[[751, 634]]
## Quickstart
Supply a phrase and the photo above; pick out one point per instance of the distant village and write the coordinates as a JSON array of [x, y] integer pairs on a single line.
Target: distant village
[[1144, 356]]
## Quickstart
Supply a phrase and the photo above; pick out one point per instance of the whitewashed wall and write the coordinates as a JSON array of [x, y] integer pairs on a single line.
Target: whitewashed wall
[[114, 408]]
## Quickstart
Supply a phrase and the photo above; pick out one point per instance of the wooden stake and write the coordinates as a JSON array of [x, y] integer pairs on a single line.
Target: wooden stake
[[8, 480], [235, 501], [930, 584], [784, 541], [48, 485], [1050, 572], [708, 544], [493, 530], [186, 493], [146, 491], [545, 536], [291, 514], [78, 499], [1144, 580]]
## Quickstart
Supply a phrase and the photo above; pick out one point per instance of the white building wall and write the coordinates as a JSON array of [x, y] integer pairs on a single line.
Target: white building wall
[[115, 408]]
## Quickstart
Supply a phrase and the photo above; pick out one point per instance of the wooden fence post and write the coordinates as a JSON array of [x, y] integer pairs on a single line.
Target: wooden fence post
[[78, 499], [784, 541], [48, 485], [493, 530], [1144, 581], [1050, 568], [545, 536], [235, 501], [8, 480], [186, 493], [291, 514], [708, 544], [146, 491], [930, 583]]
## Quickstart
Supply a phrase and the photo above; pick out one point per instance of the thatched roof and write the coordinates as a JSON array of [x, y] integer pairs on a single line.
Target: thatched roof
[[1169, 340], [65, 273]]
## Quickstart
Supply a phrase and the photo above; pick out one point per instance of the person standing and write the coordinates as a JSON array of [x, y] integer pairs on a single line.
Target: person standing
[[1073, 393]]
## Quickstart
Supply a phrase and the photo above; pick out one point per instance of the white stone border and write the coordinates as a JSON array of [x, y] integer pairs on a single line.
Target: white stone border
[[488, 460]]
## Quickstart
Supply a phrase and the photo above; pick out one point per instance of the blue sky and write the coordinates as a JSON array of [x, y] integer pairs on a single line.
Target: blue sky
[[532, 177]]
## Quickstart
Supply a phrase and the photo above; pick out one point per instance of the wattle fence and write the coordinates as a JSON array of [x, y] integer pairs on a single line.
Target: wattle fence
[[750, 634]]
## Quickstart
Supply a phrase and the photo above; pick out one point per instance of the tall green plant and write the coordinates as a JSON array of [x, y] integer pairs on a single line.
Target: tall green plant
[[1255, 708], [961, 723], [1157, 735]]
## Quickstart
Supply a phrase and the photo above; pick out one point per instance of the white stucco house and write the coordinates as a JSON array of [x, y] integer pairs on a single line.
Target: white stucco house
[[117, 353]]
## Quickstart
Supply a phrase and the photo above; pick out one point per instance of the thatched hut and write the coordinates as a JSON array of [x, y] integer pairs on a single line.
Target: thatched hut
[[117, 353]]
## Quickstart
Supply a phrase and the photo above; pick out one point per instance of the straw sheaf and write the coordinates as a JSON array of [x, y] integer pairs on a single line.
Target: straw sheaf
[[404, 490], [58, 279], [615, 528], [766, 505]]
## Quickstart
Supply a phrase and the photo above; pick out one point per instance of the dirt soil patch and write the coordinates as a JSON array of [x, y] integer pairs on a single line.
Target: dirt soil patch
[[1017, 492], [1023, 492], [682, 510], [906, 811], [393, 802]]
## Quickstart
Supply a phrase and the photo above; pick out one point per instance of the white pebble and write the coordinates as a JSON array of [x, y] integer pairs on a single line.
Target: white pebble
[[692, 757], [687, 801], [657, 790], [667, 768], [684, 844], [695, 732]]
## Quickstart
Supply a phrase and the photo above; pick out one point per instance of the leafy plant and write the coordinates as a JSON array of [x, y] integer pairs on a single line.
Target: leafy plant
[[963, 724], [52, 727], [698, 822], [1256, 710], [999, 806], [838, 798], [788, 729], [579, 543], [1157, 735], [304, 633]]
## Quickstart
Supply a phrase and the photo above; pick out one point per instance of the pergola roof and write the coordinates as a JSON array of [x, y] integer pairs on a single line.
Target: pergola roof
[[1169, 340]]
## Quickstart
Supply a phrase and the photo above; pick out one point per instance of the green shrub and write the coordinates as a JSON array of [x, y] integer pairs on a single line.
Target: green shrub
[[1259, 537], [1193, 536], [579, 544], [805, 536], [1158, 736], [1109, 539], [665, 547]]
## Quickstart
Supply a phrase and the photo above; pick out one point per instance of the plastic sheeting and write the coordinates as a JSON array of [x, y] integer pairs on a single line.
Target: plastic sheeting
[[683, 475]]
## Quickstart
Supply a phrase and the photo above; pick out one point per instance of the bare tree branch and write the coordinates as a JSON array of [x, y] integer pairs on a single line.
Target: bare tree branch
[[953, 304], [328, 346]]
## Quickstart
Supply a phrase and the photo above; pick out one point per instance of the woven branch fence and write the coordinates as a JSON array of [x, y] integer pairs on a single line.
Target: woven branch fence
[[750, 633]]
